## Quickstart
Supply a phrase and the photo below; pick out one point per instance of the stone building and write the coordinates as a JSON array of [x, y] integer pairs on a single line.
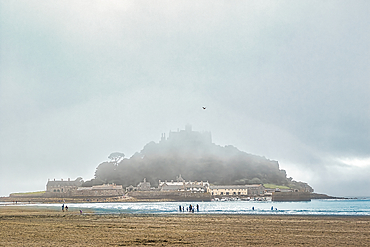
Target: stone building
[[98, 191], [68, 188], [237, 190], [181, 185], [142, 186], [63, 186], [188, 136]]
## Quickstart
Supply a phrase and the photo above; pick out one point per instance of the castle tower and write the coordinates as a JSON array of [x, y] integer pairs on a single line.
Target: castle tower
[[163, 137], [188, 128]]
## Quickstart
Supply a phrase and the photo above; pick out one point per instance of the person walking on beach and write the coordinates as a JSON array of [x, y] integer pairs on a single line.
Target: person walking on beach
[[197, 207], [63, 207], [180, 208], [66, 207]]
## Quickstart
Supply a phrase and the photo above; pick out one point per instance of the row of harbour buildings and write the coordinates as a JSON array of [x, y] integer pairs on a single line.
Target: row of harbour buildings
[[73, 188]]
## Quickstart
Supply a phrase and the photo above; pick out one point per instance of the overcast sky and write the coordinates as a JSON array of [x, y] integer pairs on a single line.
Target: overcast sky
[[288, 80]]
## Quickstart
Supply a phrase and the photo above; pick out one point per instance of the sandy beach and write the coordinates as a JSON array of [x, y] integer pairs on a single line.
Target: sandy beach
[[32, 226]]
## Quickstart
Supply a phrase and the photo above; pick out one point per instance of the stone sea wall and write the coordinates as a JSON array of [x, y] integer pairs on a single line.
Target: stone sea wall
[[291, 196], [87, 193], [170, 195]]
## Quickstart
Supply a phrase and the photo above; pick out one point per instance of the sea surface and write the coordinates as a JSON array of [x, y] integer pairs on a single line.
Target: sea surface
[[350, 207]]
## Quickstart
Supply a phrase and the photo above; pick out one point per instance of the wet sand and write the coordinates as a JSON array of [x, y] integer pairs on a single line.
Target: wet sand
[[31, 226]]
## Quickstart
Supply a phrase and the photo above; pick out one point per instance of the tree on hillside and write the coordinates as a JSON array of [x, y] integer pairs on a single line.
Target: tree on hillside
[[116, 157]]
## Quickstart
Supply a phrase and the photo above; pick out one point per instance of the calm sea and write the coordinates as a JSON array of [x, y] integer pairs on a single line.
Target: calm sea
[[352, 207]]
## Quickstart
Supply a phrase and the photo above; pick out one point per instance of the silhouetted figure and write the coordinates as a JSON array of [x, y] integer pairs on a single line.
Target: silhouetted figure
[[63, 207], [180, 208], [197, 208], [253, 208]]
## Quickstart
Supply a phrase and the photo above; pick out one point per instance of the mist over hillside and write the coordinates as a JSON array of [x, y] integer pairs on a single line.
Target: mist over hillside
[[193, 155]]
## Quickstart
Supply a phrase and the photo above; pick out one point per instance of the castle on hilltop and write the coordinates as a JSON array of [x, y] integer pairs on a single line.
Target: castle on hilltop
[[188, 135]]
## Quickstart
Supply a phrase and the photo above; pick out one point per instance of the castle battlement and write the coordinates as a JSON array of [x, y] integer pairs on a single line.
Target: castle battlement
[[188, 135]]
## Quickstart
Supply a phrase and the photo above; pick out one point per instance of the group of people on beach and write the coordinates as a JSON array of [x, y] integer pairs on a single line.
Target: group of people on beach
[[190, 208], [66, 208]]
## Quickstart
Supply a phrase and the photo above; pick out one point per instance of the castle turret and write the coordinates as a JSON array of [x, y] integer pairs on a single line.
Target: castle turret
[[188, 128]]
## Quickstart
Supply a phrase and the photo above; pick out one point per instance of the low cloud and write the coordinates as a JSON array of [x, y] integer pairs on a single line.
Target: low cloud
[[287, 81]]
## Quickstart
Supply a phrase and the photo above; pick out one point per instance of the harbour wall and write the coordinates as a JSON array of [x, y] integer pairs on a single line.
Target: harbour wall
[[170, 195], [291, 196]]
